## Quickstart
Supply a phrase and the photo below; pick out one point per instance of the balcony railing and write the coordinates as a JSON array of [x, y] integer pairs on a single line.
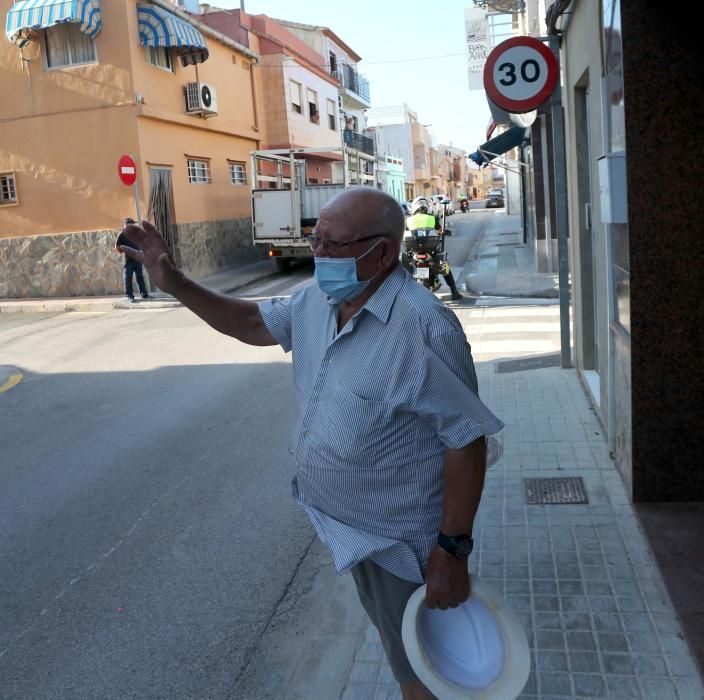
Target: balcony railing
[[360, 142], [353, 81]]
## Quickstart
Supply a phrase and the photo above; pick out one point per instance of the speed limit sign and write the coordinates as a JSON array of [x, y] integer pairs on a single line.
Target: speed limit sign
[[520, 74]]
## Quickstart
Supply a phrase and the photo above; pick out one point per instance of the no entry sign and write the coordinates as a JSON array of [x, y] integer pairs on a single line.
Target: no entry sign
[[520, 74], [127, 170]]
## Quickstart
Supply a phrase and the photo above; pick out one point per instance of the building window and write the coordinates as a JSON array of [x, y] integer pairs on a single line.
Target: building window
[[296, 97], [160, 56], [8, 190], [333, 64], [313, 106], [66, 45], [332, 121], [199, 171], [238, 174]]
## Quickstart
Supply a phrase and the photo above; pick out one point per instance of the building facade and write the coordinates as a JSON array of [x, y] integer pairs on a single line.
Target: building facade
[[342, 63], [391, 176], [454, 169], [636, 248], [180, 101], [297, 97]]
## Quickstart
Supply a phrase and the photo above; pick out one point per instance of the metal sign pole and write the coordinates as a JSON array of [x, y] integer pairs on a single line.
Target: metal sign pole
[[136, 203]]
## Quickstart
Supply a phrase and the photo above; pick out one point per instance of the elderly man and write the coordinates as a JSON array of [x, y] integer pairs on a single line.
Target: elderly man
[[391, 447]]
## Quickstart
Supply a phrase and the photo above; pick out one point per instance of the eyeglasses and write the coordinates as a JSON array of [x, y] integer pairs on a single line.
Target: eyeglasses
[[334, 247]]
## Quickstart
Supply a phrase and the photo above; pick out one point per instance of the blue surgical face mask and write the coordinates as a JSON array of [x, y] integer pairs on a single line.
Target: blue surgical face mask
[[337, 277]]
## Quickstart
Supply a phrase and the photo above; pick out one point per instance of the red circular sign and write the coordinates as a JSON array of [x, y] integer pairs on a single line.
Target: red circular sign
[[520, 74], [127, 170]]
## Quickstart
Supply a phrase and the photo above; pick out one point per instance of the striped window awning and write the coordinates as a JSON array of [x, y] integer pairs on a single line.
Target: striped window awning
[[159, 27], [497, 146], [27, 16]]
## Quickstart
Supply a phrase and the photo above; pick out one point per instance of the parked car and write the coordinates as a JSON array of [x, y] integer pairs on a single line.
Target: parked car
[[406, 206], [495, 199], [439, 200]]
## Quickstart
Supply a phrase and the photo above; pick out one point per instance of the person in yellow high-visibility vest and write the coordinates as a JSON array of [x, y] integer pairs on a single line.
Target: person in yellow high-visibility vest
[[422, 218]]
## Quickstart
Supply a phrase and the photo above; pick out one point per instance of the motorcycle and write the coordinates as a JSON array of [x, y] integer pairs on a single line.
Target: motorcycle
[[464, 206], [425, 257]]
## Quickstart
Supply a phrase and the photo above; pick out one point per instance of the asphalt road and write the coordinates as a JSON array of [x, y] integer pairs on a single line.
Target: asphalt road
[[147, 533]]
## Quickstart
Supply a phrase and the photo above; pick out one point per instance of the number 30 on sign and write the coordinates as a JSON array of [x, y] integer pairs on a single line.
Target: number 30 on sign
[[520, 74]]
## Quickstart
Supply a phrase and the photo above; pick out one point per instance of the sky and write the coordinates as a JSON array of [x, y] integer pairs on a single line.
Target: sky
[[411, 51]]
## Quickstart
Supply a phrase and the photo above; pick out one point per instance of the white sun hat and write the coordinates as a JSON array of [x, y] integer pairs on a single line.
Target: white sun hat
[[477, 650]]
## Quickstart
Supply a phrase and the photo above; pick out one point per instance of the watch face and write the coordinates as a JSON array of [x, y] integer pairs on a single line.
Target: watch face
[[463, 548], [460, 547]]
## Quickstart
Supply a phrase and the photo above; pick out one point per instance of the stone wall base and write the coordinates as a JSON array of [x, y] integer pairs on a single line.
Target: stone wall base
[[208, 247], [85, 263]]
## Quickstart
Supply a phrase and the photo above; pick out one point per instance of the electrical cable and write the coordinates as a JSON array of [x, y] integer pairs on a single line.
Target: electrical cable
[[325, 66]]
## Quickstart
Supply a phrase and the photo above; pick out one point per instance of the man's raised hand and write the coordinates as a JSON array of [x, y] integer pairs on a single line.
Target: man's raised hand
[[153, 253]]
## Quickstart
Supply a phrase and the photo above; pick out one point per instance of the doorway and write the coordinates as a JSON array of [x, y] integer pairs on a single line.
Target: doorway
[[161, 206]]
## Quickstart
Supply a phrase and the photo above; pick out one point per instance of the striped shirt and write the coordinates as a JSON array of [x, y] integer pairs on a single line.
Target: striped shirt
[[376, 406]]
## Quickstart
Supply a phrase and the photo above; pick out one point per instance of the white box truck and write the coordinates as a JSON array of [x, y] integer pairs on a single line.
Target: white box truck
[[286, 204]]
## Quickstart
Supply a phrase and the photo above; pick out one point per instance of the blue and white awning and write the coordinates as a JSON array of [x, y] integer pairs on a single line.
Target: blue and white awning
[[159, 27], [497, 146], [27, 16]]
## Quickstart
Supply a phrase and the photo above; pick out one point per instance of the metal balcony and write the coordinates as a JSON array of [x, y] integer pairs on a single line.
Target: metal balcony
[[352, 81], [360, 142]]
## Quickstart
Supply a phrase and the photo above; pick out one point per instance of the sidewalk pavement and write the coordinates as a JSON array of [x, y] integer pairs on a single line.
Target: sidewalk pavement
[[505, 266], [581, 578]]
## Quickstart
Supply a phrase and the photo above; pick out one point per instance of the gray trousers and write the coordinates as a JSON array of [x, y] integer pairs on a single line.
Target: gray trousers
[[384, 597]]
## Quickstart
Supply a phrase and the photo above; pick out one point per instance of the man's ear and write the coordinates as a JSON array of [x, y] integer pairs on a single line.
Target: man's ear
[[391, 251]]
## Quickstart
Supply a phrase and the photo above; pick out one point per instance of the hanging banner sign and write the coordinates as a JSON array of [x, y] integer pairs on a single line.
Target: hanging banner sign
[[476, 30]]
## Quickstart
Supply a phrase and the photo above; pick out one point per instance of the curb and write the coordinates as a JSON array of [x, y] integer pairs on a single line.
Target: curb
[[118, 303], [533, 294]]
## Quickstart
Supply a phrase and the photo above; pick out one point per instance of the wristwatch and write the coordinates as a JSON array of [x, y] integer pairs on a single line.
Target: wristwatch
[[460, 547]]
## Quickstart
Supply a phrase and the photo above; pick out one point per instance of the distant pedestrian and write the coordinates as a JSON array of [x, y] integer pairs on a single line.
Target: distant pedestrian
[[391, 434], [130, 267]]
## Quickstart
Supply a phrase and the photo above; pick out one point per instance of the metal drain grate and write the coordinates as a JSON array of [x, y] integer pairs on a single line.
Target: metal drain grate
[[563, 490]]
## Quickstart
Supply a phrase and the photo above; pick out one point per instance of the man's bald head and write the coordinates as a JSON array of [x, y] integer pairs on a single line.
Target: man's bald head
[[365, 210]]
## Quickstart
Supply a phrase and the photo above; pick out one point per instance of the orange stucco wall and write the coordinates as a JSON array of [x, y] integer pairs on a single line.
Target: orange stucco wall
[[66, 173], [164, 144], [62, 131]]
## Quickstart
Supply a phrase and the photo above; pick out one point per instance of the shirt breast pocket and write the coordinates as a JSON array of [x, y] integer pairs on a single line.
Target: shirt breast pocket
[[354, 430]]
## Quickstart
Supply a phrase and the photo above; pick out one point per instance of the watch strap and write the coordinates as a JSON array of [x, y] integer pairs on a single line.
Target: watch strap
[[459, 546]]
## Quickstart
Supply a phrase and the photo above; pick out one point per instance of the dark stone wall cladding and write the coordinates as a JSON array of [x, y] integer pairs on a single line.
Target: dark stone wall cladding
[[85, 263]]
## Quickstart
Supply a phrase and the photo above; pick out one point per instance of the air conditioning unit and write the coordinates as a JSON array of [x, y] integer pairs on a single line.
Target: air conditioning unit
[[192, 6], [201, 99]]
